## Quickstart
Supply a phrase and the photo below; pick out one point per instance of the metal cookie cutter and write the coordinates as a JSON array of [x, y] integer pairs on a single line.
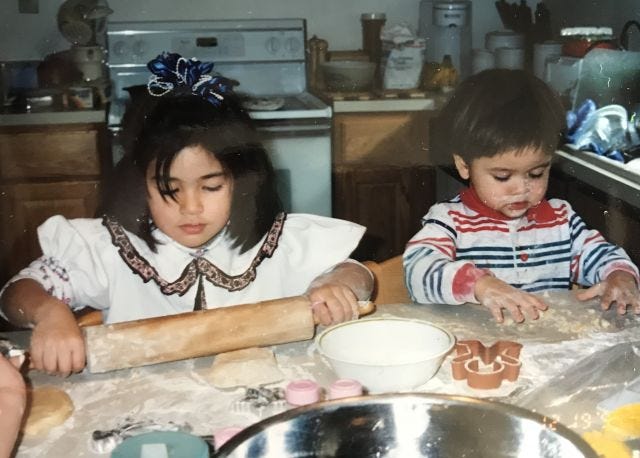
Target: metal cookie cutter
[[486, 367]]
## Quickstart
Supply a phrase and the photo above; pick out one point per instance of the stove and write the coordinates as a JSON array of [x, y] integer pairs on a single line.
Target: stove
[[267, 57]]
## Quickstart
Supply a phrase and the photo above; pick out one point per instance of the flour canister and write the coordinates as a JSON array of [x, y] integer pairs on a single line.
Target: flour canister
[[512, 58], [482, 59], [541, 52]]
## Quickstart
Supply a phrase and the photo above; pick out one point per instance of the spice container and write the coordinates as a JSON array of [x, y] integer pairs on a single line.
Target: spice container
[[372, 24]]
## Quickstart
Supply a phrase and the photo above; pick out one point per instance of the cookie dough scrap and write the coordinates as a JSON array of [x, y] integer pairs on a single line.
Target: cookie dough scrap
[[47, 407], [246, 367]]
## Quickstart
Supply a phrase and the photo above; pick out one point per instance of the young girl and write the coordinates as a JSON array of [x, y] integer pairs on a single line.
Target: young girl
[[500, 241], [191, 221]]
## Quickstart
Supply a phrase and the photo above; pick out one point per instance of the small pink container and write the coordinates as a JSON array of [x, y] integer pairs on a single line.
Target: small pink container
[[302, 392], [344, 388], [221, 436]]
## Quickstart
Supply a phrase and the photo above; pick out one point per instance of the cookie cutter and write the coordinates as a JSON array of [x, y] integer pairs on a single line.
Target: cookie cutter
[[486, 367]]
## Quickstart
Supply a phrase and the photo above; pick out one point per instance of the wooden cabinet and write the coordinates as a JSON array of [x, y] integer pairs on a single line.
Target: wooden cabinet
[[45, 171], [382, 177]]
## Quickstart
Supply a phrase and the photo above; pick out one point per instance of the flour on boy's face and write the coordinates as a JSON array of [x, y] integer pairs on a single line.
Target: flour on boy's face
[[511, 182], [198, 204]]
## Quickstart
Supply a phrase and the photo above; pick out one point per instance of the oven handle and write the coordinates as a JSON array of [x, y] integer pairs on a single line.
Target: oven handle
[[322, 127]]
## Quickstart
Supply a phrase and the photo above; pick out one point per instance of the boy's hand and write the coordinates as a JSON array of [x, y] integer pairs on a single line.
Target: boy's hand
[[57, 345], [619, 287], [333, 303], [497, 295]]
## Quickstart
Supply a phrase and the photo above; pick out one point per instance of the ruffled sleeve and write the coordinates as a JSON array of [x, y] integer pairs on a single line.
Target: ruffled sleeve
[[72, 266]]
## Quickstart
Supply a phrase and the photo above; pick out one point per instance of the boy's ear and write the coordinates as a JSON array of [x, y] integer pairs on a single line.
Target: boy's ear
[[461, 166]]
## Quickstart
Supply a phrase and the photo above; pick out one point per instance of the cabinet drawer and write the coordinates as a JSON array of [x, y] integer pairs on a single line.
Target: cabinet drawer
[[381, 138], [49, 153]]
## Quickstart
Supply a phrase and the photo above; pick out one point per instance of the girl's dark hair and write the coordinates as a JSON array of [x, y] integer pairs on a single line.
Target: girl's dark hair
[[158, 128], [500, 110]]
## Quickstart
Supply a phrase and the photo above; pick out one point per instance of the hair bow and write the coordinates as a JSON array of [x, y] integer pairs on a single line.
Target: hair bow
[[171, 70]]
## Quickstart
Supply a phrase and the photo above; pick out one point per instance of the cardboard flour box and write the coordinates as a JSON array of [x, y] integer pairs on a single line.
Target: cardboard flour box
[[403, 55]]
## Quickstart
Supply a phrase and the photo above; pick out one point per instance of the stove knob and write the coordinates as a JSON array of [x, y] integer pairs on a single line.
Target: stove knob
[[119, 49], [292, 45], [273, 45], [139, 48]]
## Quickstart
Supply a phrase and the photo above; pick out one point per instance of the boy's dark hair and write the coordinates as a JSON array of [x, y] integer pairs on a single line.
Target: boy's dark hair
[[158, 128], [500, 110]]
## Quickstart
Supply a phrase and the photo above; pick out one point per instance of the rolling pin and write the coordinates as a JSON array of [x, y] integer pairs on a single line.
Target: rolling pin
[[200, 333]]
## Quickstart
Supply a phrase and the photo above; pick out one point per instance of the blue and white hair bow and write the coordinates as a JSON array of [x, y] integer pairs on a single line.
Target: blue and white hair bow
[[171, 70]]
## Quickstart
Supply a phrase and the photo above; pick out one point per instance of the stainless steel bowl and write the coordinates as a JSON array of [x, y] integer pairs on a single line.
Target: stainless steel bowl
[[407, 426]]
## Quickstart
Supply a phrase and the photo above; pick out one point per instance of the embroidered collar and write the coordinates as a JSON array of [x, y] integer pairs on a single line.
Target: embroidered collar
[[198, 267], [541, 213]]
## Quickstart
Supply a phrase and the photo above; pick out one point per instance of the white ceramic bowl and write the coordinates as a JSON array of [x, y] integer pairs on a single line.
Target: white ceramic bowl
[[348, 75], [386, 354]]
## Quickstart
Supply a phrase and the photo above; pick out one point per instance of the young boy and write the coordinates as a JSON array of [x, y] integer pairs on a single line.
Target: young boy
[[499, 241]]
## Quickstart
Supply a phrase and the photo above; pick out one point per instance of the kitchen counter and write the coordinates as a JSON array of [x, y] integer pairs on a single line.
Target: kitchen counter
[[609, 176], [564, 338], [382, 101], [52, 117]]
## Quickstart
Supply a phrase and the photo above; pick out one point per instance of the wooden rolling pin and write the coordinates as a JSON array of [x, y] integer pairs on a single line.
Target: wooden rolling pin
[[201, 333]]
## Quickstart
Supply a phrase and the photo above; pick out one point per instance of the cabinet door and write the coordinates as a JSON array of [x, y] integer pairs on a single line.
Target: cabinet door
[[389, 201], [398, 138], [25, 206]]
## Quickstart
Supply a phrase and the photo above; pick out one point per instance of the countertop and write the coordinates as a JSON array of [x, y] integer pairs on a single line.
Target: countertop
[[570, 335], [610, 176], [382, 101], [52, 117]]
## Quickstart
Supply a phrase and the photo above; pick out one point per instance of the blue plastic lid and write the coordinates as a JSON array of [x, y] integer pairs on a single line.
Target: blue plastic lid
[[179, 445]]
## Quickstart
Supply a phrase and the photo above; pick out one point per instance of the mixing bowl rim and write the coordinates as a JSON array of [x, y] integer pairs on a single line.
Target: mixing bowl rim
[[435, 398], [323, 334]]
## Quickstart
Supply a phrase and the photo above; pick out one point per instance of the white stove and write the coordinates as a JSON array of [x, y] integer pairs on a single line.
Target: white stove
[[267, 58]]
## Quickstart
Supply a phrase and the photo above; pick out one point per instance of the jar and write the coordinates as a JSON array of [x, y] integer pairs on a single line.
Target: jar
[[578, 41]]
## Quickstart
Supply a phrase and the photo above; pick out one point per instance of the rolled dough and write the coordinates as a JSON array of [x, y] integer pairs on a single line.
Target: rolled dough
[[246, 367], [47, 407]]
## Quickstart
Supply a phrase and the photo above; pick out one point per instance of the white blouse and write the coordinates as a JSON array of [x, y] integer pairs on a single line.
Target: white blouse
[[96, 263]]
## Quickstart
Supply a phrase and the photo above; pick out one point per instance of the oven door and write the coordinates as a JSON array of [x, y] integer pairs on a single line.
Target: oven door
[[301, 154]]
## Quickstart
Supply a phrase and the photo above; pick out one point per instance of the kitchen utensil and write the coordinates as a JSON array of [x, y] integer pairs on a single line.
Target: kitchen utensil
[[348, 75], [408, 425], [386, 354], [199, 333]]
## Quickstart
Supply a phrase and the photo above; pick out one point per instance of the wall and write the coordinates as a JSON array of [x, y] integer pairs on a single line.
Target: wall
[[33, 36]]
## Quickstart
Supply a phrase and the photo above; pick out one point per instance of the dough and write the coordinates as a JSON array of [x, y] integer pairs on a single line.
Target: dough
[[247, 367], [47, 407]]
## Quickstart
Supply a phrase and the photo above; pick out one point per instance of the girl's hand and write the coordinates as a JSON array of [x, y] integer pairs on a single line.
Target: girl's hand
[[619, 287], [497, 295], [333, 303], [13, 400], [57, 345]]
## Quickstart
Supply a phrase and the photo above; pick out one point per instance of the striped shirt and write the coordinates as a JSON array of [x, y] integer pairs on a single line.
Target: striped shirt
[[547, 249]]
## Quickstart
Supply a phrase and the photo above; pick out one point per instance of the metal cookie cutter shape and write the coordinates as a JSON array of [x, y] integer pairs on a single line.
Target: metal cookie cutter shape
[[486, 367]]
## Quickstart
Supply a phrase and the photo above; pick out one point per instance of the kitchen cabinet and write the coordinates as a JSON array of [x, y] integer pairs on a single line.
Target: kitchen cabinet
[[382, 177], [45, 170]]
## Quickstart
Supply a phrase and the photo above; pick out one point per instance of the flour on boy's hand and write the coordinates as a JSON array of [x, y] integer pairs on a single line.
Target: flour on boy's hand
[[566, 320]]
